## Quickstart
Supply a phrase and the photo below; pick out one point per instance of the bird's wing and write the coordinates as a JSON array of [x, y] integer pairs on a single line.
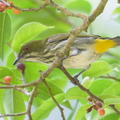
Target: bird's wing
[[64, 36], [58, 37]]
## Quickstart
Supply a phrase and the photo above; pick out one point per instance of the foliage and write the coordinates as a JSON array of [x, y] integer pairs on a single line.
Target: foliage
[[16, 30]]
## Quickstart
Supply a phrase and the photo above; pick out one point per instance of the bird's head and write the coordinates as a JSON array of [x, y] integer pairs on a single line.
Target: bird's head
[[30, 51]]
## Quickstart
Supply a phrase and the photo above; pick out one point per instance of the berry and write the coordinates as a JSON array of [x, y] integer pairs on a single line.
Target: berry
[[21, 66], [16, 11], [97, 105], [7, 79], [2, 7], [101, 111], [10, 3], [89, 98], [89, 109]]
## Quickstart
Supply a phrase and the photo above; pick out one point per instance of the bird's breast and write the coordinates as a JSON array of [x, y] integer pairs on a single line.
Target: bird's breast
[[81, 60]]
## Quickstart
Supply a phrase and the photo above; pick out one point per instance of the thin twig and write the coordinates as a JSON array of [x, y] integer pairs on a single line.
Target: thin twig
[[75, 81], [18, 89], [33, 94], [66, 11], [111, 77], [85, 89], [51, 95], [30, 9], [15, 114], [84, 26]]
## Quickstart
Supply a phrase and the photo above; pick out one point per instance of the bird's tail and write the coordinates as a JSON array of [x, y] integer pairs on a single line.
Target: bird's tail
[[116, 40]]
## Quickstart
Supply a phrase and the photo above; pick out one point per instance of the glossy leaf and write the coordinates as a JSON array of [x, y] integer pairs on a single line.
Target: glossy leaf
[[4, 71], [108, 96], [100, 86], [97, 69], [112, 101], [26, 33], [82, 111], [81, 5], [14, 103], [111, 116], [44, 92], [1, 101], [5, 31], [44, 110], [117, 11], [75, 93]]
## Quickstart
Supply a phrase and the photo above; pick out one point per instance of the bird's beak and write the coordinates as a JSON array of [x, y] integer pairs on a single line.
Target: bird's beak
[[18, 58], [16, 61]]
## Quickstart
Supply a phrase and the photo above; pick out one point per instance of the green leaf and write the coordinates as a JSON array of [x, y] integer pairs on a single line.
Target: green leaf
[[59, 80], [111, 116], [26, 33], [116, 11], [75, 93], [32, 70], [97, 69], [82, 111], [116, 14], [108, 96], [44, 110], [81, 5], [113, 89], [114, 52], [67, 104], [100, 86], [5, 31], [1, 101], [4, 71], [44, 92], [112, 101], [14, 103]]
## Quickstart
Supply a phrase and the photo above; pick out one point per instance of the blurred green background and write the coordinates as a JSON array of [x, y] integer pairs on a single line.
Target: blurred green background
[[16, 29]]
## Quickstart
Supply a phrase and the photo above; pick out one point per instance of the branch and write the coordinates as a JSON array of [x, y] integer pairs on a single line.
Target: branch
[[66, 11], [84, 26], [51, 95], [33, 94], [15, 114], [18, 89], [30, 9], [75, 81], [111, 77], [85, 89]]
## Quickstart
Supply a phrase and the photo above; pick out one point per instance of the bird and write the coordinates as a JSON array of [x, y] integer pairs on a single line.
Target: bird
[[85, 50]]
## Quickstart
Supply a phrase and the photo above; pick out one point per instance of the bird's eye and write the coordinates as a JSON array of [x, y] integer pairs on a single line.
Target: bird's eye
[[26, 48]]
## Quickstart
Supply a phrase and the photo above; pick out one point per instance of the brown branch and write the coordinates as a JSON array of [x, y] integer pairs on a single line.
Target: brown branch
[[51, 95], [18, 89], [75, 81], [111, 77], [30, 9], [33, 94], [83, 27], [15, 114], [85, 89], [19, 86], [66, 11]]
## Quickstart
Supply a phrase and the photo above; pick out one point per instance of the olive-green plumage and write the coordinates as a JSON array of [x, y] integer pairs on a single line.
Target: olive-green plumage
[[82, 53]]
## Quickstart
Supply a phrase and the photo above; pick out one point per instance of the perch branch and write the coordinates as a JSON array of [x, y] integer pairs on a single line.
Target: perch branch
[[51, 95]]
